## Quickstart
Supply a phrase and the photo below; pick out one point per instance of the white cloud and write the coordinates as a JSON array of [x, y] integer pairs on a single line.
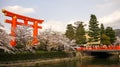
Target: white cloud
[[54, 25], [20, 9], [111, 18], [59, 26], [111, 11]]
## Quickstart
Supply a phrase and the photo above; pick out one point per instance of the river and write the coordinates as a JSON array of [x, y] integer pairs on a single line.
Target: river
[[95, 62]]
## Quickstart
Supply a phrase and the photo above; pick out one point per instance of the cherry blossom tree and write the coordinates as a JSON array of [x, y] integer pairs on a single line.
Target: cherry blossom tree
[[4, 40], [54, 40], [23, 38]]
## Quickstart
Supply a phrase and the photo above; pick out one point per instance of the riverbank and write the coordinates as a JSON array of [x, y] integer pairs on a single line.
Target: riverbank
[[51, 61], [40, 58], [38, 61], [5, 57]]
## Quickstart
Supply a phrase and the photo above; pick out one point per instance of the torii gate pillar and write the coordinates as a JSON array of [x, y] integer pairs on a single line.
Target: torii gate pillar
[[14, 24], [13, 27]]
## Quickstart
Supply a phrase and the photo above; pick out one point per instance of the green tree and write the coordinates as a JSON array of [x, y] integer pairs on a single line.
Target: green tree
[[102, 29], [80, 33], [70, 32], [94, 31], [105, 39], [111, 34]]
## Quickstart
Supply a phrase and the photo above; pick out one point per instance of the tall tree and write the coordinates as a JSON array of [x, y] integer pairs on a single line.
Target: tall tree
[[70, 32], [104, 39], [94, 32], [102, 32], [110, 33], [80, 33], [102, 29]]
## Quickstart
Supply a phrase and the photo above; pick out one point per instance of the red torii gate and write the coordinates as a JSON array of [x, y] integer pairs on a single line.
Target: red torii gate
[[14, 24]]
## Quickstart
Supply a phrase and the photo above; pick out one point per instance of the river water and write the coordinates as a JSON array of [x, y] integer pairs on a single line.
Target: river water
[[95, 62]]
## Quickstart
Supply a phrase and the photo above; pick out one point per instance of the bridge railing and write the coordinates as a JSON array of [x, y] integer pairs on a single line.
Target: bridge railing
[[99, 48]]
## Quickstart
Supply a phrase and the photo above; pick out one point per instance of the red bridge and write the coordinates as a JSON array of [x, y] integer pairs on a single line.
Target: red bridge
[[99, 48]]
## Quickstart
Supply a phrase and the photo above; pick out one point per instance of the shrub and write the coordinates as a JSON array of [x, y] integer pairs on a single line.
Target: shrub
[[29, 56]]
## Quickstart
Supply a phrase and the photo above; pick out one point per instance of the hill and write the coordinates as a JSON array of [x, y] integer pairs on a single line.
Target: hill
[[117, 32]]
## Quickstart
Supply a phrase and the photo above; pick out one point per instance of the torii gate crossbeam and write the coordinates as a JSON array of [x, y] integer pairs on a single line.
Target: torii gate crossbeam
[[26, 19]]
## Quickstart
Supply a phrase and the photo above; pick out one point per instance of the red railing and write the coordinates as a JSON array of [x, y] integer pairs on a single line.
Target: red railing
[[98, 48]]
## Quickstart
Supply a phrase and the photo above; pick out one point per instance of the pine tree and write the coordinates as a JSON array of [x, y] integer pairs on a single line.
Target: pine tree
[[70, 32], [110, 33], [102, 30], [104, 39], [102, 33], [94, 32], [80, 33]]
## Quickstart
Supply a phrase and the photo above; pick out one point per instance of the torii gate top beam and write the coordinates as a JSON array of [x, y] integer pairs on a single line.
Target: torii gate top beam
[[11, 14]]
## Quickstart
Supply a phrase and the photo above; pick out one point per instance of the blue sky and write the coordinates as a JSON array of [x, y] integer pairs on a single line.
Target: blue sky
[[58, 13]]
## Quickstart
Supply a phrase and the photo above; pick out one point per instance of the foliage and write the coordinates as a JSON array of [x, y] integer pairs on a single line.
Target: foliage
[[110, 33], [31, 56], [70, 33], [105, 39], [102, 29], [94, 32], [80, 33]]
